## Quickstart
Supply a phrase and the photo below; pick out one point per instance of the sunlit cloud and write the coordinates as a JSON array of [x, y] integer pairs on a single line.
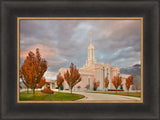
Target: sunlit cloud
[[45, 51], [64, 41]]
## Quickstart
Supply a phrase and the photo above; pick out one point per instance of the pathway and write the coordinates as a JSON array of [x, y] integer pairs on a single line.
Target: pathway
[[109, 97]]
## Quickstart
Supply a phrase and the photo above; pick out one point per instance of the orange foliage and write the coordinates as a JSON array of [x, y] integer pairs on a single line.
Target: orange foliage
[[33, 70], [106, 81], [95, 85], [129, 82], [117, 80], [72, 76], [41, 83], [59, 80]]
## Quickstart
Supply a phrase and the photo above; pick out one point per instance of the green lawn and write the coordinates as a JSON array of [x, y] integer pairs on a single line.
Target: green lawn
[[57, 96], [132, 94]]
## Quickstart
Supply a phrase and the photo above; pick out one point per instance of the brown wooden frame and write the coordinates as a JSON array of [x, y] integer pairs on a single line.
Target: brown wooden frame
[[148, 9]]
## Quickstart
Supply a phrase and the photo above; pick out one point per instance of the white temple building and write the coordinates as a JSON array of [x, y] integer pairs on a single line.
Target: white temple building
[[92, 71]]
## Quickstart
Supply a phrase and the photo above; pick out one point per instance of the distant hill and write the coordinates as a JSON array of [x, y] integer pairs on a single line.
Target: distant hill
[[135, 71]]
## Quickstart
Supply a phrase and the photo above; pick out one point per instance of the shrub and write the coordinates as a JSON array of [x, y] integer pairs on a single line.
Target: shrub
[[121, 87], [87, 87], [47, 90], [95, 85], [79, 87]]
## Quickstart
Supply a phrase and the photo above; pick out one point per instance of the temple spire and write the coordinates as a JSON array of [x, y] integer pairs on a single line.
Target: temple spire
[[91, 59], [90, 37]]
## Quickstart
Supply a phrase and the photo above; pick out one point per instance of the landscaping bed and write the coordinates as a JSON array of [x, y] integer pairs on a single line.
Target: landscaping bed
[[57, 96]]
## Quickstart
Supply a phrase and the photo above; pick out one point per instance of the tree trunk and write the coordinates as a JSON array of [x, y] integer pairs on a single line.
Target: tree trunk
[[27, 91], [71, 90], [34, 91]]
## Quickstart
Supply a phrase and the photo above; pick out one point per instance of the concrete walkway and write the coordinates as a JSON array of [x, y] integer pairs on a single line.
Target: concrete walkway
[[109, 97]]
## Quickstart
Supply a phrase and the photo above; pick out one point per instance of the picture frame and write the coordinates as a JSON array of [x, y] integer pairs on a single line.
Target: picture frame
[[149, 109]]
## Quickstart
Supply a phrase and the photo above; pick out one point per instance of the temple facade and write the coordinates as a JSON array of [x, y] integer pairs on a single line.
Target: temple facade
[[92, 71]]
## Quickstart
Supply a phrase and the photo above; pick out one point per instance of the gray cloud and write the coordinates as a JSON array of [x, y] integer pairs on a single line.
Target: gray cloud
[[64, 41]]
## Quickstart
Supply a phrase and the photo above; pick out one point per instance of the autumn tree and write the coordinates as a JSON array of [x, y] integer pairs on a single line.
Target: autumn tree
[[41, 83], [106, 81], [117, 81], [95, 85], [24, 77], [72, 76], [59, 81], [129, 82], [33, 70]]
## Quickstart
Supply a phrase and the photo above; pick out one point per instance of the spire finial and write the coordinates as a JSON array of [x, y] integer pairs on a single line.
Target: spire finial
[[90, 37]]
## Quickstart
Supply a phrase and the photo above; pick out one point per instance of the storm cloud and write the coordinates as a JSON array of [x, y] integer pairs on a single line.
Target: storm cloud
[[64, 41]]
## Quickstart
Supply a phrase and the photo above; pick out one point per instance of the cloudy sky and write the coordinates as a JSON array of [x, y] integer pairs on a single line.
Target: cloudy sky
[[64, 41]]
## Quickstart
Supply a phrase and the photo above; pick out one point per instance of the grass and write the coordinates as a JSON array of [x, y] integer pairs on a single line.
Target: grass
[[132, 94], [57, 96]]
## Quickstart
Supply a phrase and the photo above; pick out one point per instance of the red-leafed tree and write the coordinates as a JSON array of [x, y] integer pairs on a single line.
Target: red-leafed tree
[[95, 85], [72, 76], [59, 81], [106, 81], [87, 87], [25, 78], [129, 82], [41, 83], [79, 87], [33, 70], [117, 81]]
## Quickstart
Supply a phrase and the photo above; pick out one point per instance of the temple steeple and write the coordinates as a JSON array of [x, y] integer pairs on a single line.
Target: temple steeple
[[90, 37], [91, 59]]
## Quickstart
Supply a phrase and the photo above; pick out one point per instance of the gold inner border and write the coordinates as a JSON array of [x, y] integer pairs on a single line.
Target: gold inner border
[[78, 18]]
